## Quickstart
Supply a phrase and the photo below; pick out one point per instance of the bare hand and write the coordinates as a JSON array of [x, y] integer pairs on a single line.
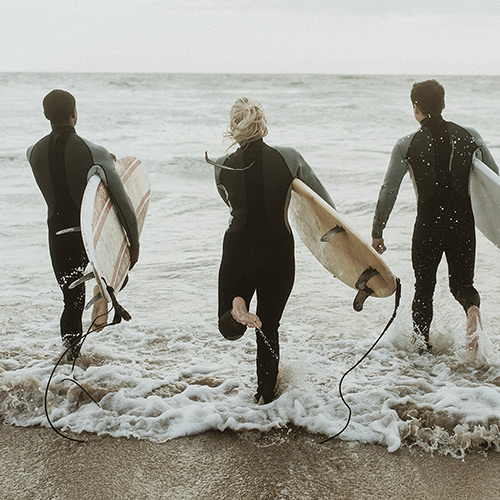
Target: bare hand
[[379, 245]]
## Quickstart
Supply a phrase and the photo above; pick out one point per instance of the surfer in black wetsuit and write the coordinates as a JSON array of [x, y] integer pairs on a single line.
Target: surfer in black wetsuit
[[439, 156], [258, 249], [62, 162]]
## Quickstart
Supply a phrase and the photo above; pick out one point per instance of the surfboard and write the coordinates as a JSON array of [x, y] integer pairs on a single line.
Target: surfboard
[[484, 189], [337, 246], [104, 237]]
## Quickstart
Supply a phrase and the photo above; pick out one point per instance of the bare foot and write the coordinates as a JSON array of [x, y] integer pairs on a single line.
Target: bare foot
[[99, 312], [473, 321], [241, 315]]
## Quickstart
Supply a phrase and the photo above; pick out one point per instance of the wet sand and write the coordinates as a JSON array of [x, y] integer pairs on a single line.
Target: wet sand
[[36, 464]]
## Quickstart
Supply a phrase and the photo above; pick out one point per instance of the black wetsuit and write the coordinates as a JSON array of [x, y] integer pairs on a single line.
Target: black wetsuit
[[258, 248], [61, 163], [440, 157]]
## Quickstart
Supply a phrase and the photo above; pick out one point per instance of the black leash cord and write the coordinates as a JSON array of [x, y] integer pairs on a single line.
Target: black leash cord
[[120, 313], [397, 300], [82, 340]]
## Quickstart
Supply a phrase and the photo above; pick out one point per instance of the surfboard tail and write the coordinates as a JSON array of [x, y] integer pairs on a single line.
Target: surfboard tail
[[364, 291]]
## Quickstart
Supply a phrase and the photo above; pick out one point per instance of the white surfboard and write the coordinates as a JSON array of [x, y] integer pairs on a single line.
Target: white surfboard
[[104, 237], [334, 242], [485, 196]]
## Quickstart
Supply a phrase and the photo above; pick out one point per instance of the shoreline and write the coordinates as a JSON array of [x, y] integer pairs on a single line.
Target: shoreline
[[37, 464]]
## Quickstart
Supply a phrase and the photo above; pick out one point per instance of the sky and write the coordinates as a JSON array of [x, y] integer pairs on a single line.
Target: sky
[[251, 36]]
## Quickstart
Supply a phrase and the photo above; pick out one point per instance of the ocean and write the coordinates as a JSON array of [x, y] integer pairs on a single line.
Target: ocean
[[168, 372]]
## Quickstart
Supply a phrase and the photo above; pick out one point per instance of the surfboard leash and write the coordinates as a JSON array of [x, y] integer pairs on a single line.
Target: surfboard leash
[[120, 312], [78, 345], [396, 306]]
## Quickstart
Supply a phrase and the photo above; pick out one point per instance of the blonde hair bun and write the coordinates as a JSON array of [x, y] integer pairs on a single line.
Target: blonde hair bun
[[247, 121]]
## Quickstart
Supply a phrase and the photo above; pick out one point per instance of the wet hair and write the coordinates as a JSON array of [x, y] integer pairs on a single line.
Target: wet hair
[[247, 121], [428, 96], [58, 106]]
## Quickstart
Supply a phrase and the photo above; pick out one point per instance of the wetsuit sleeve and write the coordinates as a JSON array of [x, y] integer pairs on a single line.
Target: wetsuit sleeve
[[308, 176], [300, 169], [389, 190], [483, 152], [119, 196]]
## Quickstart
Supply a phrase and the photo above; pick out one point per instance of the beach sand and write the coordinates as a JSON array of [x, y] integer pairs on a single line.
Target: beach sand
[[37, 464]]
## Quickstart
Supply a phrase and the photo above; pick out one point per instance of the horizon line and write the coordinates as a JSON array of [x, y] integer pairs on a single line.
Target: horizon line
[[221, 73]]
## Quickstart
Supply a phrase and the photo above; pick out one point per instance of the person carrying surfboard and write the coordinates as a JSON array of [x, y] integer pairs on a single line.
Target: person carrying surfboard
[[439, 156], [62, 162], [258, 248]]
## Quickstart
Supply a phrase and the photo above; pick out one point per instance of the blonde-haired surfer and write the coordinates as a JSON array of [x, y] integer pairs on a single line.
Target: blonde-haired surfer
[[258, 249]]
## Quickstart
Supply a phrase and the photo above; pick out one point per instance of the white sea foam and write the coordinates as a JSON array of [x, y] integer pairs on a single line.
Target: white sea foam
[[168, 372]]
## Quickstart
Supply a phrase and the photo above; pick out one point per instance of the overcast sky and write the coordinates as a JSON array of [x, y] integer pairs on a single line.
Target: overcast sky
[[252, 36]]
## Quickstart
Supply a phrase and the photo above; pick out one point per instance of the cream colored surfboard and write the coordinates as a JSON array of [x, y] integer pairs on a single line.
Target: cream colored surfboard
[[104, 237], [485, 197], [333, 241]]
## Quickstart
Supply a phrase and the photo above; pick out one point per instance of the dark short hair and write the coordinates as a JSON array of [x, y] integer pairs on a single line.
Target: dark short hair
[[428, 96], [58, 105]]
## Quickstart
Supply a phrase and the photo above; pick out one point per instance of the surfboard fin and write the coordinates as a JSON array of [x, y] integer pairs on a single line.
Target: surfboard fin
[[364, 291], [81, 280], [93, 300], [330, 234]]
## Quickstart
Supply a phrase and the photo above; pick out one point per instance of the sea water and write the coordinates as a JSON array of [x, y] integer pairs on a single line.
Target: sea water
[[168, 372]]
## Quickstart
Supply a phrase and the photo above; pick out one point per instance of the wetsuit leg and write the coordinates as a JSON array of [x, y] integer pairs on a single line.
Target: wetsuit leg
[[69, 261], [236, 279], [427, 250], [273, 290], [263, 261], [460, 254]]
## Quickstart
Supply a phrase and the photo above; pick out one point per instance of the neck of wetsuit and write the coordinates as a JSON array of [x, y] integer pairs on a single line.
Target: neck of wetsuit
[[61, 129], [253, 146], [432, 121]]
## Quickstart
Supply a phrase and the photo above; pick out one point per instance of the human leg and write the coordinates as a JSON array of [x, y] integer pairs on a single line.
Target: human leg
[[460, 255], [69, 261], [236, 288], [99, 312], [426, 254], [273, 291]]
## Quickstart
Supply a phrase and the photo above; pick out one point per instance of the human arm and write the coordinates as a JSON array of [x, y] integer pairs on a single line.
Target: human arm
[[379, 245], [300, 169], [387, 196], [483, 153], [104, 166]]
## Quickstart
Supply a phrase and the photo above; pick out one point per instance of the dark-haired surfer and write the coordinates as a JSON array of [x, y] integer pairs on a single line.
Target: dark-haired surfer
[[440, 156], [62, 162]]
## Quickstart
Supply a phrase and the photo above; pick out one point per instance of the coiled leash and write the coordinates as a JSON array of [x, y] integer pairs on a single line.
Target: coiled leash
[[120, 313], [397, 300]]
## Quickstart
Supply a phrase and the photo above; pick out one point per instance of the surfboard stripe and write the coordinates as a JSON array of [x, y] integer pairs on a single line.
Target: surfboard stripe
[[119, 261], [130, 170], [143, 202], [102, 221]]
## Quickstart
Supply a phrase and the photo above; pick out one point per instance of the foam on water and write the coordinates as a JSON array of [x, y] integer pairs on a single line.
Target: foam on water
[[168, 372]]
